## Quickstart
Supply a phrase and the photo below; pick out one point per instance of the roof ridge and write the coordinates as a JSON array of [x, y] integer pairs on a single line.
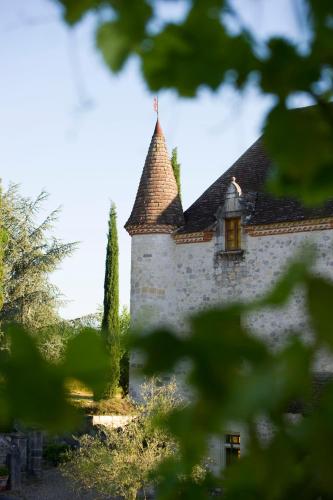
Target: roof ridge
[[228, 172]]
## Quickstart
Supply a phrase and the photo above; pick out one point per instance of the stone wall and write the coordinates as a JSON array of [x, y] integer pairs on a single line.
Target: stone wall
[[206, 277], [23, 454], [170, 282], [152, 290]]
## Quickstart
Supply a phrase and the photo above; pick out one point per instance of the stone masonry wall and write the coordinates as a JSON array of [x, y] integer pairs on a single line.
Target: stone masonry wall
[[171, 282], [206, 277], [152, 289]]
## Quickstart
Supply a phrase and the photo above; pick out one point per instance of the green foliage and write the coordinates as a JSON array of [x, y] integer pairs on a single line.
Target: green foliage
[[202, 51], [120, 462], [3, 243], [1, 250], [4, 471], [234, 376], [305, 170], [30, 254], [34, 391], [119, 38], [125, 323], [110, 321], [55, 453], [176, 169]]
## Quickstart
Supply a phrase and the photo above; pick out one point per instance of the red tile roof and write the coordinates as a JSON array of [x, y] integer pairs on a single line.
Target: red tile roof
[[157, 207]]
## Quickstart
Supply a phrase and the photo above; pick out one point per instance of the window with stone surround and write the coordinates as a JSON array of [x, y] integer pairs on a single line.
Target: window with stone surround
[[232, 234], [232, 448]]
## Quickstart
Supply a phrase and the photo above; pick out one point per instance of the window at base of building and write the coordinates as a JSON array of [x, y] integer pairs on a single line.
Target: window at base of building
[[232, 448], [233, 234]]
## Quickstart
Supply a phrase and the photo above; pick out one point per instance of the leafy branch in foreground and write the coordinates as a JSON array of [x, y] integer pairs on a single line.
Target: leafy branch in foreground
[[33, 391], [201, 50], [236, 378]]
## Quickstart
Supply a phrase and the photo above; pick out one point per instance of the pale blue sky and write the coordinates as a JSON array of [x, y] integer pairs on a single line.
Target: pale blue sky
[[69, 126]]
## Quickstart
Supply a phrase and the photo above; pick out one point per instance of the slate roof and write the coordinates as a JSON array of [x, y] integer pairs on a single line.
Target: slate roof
[[251, 171], [157, 206]]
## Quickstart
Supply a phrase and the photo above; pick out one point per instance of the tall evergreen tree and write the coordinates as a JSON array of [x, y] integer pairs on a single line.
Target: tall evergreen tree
[[29, 254], [176, 169], [2, 245], [110, 321]]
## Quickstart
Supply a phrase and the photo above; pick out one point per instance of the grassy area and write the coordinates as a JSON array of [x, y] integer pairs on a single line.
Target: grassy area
[[114, 406], [82, 397], [77, 389]]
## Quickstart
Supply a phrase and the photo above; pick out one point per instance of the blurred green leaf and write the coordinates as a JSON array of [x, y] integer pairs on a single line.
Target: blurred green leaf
[[74, 10], [163, 349], [286, 71], [301, 144], [178, 56], [201, 50], [87, 360], [114, 44], [34, 389], [320, 303], [119, 38], [272, 387], [219, 346], [234, 376]]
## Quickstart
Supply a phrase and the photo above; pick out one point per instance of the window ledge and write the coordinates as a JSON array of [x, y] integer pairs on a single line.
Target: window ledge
[[227, 253]]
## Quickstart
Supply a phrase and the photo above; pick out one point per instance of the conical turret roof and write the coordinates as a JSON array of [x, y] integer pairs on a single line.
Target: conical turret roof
[[157, 207]]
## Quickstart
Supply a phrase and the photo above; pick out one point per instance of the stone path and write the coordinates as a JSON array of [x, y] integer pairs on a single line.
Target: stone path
[[53, 487]]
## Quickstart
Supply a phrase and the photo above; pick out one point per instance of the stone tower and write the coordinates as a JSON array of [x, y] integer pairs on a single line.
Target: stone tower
[[156, 214]]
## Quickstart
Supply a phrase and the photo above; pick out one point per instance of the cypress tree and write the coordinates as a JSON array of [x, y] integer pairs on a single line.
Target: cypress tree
[[176, 169], [2, 243], [110, 321]]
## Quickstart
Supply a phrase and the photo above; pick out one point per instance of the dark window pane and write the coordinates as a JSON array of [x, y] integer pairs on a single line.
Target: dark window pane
[[232, 454]]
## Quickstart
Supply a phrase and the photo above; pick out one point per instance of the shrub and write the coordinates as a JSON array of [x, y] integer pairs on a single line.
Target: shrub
[[120, 461], [56, 453], [4, 471]]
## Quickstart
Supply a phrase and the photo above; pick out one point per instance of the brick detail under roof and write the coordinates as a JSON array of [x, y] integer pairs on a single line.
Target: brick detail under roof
[[157, 206]]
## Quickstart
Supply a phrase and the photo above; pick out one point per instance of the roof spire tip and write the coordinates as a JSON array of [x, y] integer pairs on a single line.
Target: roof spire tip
[[158, 129]]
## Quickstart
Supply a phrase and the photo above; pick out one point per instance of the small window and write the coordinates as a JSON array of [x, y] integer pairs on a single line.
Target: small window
[[233, 234], [232, 448]]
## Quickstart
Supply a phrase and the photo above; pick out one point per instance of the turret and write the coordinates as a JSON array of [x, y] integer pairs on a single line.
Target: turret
[[156, 214], [157, 208]]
